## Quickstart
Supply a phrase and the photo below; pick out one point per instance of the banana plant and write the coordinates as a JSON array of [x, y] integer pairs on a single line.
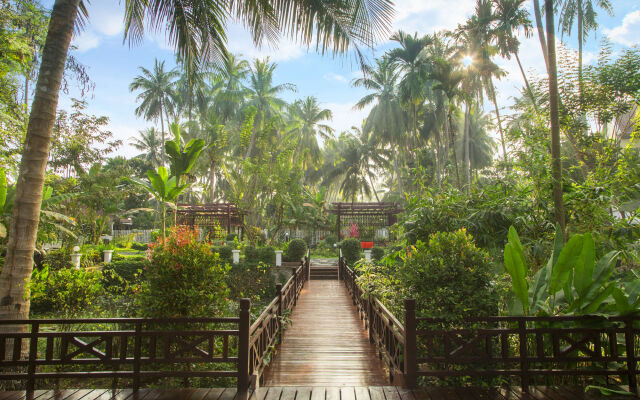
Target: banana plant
[[164, 189], [572, 281], [182, 158]]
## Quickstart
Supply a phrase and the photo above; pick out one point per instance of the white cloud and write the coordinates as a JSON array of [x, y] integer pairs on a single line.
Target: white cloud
[[85, 41], [430, 16], [239, 41], [628, 33], [106, 17], [330, 76]]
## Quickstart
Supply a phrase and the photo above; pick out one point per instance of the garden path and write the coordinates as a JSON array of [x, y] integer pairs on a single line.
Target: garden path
[[326, 343]]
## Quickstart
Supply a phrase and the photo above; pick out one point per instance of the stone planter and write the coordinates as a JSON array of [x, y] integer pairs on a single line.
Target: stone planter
[[236, 256], [75, 260], [278, 258], [367, 254], [108, 255]]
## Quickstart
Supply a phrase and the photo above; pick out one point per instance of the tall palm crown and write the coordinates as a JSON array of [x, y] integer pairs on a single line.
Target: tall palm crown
[[308, 126], [386, 119], [229, 90], [481, 145], [157, 96], [150, 144]]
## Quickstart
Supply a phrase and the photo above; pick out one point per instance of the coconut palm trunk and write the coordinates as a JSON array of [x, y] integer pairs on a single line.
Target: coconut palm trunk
[[580, 36], [467, 157], [26, 210], [494, 99], [526, 83], [164, 153], [541, 35], [556, 162]]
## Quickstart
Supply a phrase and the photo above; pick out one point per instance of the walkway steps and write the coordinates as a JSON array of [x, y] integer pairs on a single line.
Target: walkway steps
[[326, 344], [324, 272]]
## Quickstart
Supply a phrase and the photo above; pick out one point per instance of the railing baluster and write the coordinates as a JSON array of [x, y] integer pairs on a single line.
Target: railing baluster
[[410, 349], [33, 355], [243, 345]]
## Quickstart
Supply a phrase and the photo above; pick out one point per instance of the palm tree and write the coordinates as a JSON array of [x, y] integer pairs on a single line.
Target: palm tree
[[196, 29], [554, 116], [150, 145], [308, 117], [263, 95], [411, 61], [510, 17], [386, 121], [228, 86], [584, 14], [157, 96], [481, 145]]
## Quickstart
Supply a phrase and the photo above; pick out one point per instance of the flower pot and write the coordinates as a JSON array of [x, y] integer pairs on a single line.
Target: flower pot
[[366, 245], [108, 255]]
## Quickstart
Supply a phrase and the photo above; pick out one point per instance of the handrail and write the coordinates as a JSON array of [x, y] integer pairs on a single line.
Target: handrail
[[266, 331], [510, 346]]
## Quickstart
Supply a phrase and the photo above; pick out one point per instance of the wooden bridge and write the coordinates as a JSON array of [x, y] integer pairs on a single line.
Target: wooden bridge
[[338, 345]]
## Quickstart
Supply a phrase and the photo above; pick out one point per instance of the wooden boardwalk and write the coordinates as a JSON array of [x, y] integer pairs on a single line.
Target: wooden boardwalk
[[327, 344], [315, 393]]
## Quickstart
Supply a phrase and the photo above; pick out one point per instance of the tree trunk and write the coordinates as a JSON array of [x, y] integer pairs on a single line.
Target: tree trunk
[[14, 300], [541, 35], [164, 154], [373, 189], [212, 179], [526, 82], [556, 162], [397, 168], [492, 88], [467, 156], [452, 139], [580, 38]]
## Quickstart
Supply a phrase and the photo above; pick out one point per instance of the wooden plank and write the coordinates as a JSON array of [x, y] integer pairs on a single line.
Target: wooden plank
[[13, 395], [259, 394], [288, 393], [228, 394], [405, 394], [318, 393], [421, 394], [362, 393], [332, 393], [347, 393], [209, 394], [391, 393], [376, 393], [273, 394], [304, 393]]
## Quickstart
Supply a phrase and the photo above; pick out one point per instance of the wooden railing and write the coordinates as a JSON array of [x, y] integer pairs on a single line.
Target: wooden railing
[[266, 331], [139, 349], [526, 348]]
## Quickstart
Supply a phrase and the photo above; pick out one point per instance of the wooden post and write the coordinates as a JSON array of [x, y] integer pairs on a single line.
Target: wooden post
[[368, 319], [338, 223], [137, 349], [295, 286], [524, 362], [631, 356], [243, 345], [410, 349], [279, 295], [33, 355]]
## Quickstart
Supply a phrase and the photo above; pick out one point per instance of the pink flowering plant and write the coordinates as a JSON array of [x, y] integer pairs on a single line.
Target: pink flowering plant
[[184, 278]]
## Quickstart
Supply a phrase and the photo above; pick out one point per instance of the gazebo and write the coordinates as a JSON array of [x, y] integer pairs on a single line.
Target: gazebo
[[371, 215], [210, 215]]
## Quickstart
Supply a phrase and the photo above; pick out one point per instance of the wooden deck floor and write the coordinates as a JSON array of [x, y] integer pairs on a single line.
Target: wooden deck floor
[[327, 344], [315, 393]]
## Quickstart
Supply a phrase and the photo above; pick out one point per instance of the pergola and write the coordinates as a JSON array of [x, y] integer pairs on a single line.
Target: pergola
[[210, 215], [364, 214]]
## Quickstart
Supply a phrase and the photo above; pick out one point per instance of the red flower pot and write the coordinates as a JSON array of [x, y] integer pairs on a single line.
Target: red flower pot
[[366, 245]]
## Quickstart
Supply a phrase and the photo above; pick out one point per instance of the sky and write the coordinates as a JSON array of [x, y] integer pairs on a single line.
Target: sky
[[112, 64]]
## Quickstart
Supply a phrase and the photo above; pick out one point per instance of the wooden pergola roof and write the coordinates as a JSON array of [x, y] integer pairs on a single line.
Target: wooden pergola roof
[[225, 214], [373, 208]]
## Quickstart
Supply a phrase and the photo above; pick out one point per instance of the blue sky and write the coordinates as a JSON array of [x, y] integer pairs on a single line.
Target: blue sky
[[112, 64]]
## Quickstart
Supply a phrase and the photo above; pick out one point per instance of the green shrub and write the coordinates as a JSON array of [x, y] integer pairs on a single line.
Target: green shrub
[[128, 268], [377, 253], [225, 252], [183, 278], [267, 255], [450, 277], [57, 259], [330, 240], [296, 249], [66, 291], [231, 237], [251, 254], [252, 281], [350, 250], [139, 246]]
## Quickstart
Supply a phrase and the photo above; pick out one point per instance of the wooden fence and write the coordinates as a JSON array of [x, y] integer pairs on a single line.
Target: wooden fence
[[527, 348], [140, 349]]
